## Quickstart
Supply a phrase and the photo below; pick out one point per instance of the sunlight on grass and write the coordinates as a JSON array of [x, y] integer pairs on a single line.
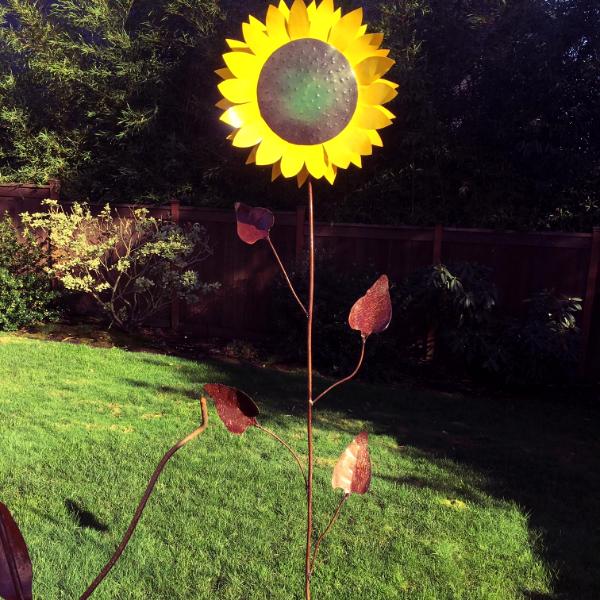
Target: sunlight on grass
[[87, 426]]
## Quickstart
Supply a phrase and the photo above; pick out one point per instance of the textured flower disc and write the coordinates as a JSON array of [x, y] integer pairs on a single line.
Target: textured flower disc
[[305, 90]]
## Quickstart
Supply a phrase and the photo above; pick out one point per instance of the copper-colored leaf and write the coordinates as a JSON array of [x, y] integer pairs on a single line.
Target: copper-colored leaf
[[236, 409], [352, 473], [253, 223], [373, 312], [16, 573]]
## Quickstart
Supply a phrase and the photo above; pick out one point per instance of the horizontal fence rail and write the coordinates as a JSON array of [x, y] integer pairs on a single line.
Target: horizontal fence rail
[[522, 263]]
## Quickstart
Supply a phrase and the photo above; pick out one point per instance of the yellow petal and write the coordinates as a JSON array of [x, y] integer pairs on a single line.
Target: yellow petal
[[224, 104], [377, 93], [315, 160], [257, 40], [238, 91], [346, 29], [254, 22], [248, 136], [371, 117], [270, 151], [251, 157], [242, 64], [374, 39], [303, 176], [362, 31], [322, 22], [356, 160], [276, 171], [276, 26], [371, 69], [224, 73], [331, 173], [338, 153], [388, 113], [299, 24], [292, 161], [311, 10], [241, 114], [375, 138], [360, 49], [359, 142], [283, 7], [236, 44]]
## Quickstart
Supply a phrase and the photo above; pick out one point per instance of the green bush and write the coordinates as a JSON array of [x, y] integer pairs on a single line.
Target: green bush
[[26, 295], [457, 302], [130, 265]]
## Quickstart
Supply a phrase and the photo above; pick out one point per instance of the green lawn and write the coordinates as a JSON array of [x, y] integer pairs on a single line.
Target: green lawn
[[470, 499]]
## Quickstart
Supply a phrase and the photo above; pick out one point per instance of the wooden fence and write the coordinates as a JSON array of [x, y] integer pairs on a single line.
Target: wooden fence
[[523, 263]]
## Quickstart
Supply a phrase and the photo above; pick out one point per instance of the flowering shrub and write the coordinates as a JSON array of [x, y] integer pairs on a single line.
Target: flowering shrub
[[131, 265]]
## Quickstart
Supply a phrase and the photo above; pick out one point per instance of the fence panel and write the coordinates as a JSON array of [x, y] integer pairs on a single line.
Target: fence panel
[[522, 263]]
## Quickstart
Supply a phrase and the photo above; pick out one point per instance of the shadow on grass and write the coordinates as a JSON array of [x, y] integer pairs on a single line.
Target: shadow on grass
[[84, 518], [543, 455]]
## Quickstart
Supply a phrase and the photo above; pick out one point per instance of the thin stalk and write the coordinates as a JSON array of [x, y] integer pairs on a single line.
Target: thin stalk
[[140, 509], [285, 445], [309, 415], [346, 379], [287, 277], [336, 514]]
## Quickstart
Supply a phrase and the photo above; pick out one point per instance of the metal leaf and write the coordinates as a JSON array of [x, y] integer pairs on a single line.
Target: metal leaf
[[352, 473], [16, 572], [253, 223], [236, 409], [373, 312]]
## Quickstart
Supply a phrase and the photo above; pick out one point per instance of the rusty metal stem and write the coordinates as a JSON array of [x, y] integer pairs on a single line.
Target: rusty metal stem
[[309, 415], [285, 445], [140, 509], [12, 565], [346, 379], [336, 514], [287, 277]]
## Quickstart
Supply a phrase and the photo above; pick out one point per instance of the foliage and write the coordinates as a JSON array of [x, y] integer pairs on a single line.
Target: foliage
[[131, 265], [26, 295], [542, 347], [458, 302], [337, 346], [499, 109]]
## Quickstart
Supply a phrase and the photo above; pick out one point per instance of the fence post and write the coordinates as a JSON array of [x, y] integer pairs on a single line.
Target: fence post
[[589, 302], [300, 220], [54, 185], [175, 301], [438, 236]]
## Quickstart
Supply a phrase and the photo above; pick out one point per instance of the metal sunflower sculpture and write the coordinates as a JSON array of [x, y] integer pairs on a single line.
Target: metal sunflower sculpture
[[305, 90]]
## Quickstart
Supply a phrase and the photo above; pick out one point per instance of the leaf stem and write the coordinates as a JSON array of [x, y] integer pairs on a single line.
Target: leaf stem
[[140, 509], [336, 514], [287, 277], [345, 379], [285, 445]]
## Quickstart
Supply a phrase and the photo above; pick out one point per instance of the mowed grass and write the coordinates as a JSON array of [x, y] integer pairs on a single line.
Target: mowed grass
[[84, 427]]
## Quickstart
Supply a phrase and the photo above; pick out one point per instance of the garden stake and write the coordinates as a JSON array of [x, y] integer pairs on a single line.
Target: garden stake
[[140, 509], [305, 91]]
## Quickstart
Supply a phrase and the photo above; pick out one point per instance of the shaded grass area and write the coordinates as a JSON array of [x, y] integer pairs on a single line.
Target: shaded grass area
[[471, 498]]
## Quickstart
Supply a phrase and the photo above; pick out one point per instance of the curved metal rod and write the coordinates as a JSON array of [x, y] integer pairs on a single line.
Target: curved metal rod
[[140, 509], [285, 445], [346, 379], [287, 277], [336, 514]]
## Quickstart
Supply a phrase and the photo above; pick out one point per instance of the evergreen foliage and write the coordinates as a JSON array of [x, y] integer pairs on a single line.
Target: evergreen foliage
[[499, 110]]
